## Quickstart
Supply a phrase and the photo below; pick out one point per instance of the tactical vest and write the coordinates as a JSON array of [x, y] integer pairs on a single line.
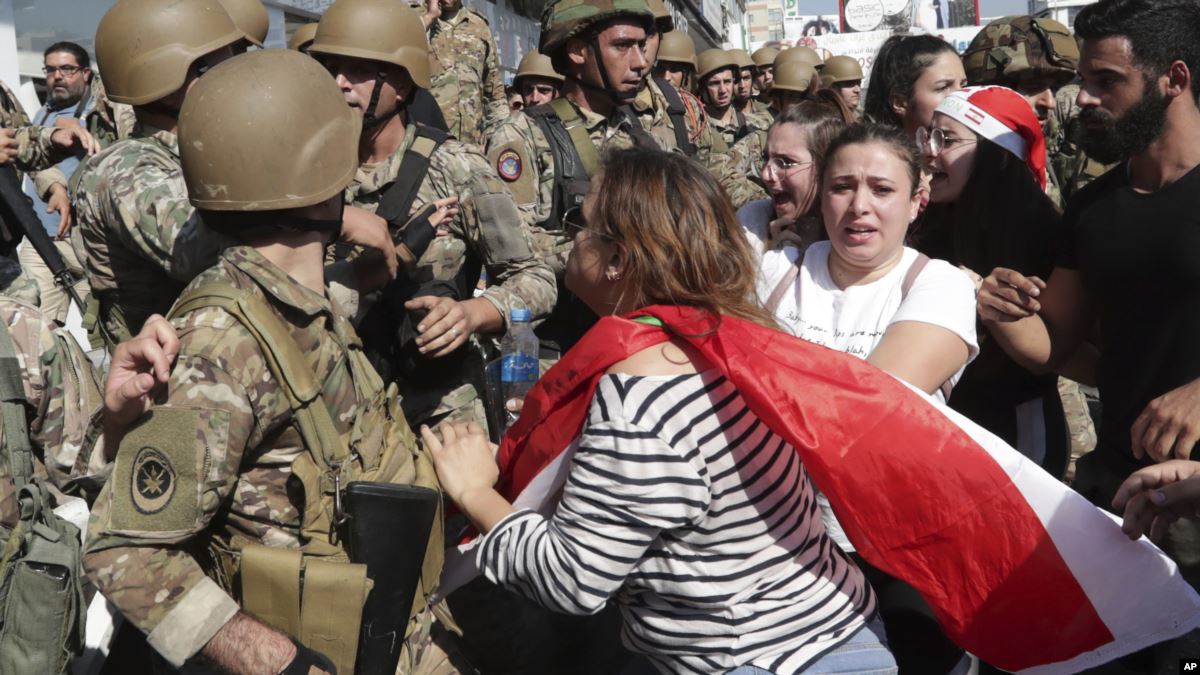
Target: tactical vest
[[41, 587], [315, 593]]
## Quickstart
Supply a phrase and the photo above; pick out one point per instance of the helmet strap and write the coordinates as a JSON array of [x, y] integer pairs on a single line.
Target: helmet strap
[[608, 88], [370, 119]]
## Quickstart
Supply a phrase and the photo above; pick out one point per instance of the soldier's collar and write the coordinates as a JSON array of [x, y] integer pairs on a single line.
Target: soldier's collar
[[644, 100], [276, 283], [166, 138]]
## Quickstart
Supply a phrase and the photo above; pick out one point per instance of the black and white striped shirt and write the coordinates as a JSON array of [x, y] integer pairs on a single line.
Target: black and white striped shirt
[[700, 521]]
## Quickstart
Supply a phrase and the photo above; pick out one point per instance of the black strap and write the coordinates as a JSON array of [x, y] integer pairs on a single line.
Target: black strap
[[396, 202], [743, 129], [641, 137], [306, 659], [677, 111], [571, 181]]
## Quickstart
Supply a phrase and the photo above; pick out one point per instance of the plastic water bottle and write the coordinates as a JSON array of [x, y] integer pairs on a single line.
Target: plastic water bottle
[[518, 361]]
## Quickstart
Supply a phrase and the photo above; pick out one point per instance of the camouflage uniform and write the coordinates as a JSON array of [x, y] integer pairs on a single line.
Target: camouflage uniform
[[746, 157], [136, 233], [108, 120], [62, 394], [12, 116], [229, 486], [469, 89], [758, 115], [516, 277], [1070, 164]]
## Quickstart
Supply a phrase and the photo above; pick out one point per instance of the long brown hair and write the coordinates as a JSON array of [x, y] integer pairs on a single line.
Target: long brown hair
[[681, 234]]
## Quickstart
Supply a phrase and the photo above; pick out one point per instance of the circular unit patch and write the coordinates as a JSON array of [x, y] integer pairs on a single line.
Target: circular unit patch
[[153, 481], [508, 165]]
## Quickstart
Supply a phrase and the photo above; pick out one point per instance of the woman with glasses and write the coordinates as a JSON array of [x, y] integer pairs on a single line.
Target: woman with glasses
[[863, 292], [986, 154], [795, 144], [680, 505]]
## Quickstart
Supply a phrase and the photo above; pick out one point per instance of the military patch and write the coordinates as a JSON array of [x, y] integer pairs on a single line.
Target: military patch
[[153, 480], [508, 165]]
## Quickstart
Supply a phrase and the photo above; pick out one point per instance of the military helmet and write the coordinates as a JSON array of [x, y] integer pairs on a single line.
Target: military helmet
[[764, 56], [801, 54], [146, 47], [250, 17], [712, 60], [663, 21], [379, 30], [677, 47], [741, 58], [535, 64], [1010, 46], [793, 76], [264, 131], [303, 37], [566, 19], [841, 69]]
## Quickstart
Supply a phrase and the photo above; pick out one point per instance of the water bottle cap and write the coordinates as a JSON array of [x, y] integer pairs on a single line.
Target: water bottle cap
[[521, 315]]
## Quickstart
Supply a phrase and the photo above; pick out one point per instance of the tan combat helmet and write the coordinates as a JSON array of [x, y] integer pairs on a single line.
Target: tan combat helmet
[[801, 54], [841, 69], [535, 64], [793, 76], [1012, 46], [712, 60], [265, 131], [250, 17], [146, 47], [663, 21], [677, 47], [566, 19], [303, 37], [764, 56], [378, 30], [742, 59]]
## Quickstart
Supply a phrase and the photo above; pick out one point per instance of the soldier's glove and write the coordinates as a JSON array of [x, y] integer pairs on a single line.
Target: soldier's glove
[[416, 237], [306, 659]]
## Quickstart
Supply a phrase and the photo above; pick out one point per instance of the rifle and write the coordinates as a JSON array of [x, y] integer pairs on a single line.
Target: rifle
[[22, 221]]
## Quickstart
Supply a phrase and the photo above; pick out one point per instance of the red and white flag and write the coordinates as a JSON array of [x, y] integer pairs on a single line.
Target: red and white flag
[[1020, 570]]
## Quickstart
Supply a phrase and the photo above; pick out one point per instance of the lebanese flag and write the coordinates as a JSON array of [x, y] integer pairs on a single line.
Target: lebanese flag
[[1021, 571]]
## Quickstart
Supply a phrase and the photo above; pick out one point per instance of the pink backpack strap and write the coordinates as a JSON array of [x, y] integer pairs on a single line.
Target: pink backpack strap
[[785, 284], [910, 278]]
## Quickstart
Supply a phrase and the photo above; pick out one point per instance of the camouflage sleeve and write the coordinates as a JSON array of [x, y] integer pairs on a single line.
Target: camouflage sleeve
[[495, 102], [738, 170], [72, 396], [174, 470], [518, 152], [44, 180], [497, 234], [35, 151], [156, 219]]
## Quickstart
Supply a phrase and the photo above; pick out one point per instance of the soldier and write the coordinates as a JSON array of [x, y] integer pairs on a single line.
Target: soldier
[[757, 115], [663, 23], [537, 82], [234, 483], [251, 18], [303, 37], [764, 70], [377, 52], [844, 75], [719, 74], [469, 87], [677, 61], [803, 55]]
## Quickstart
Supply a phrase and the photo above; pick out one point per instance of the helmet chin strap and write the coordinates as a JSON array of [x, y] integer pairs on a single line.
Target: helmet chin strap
[[370, 119], [608, 88]]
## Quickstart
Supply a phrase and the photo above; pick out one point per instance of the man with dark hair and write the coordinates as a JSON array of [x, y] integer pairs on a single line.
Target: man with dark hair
[[68, 97], [1128, 260]]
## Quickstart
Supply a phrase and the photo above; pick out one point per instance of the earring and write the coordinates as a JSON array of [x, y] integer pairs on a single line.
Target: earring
[[612, 275]]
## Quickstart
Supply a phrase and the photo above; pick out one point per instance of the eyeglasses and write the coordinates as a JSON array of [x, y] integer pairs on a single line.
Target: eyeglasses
[[781, 166], [574, 223], [67, 71], [935, 141]]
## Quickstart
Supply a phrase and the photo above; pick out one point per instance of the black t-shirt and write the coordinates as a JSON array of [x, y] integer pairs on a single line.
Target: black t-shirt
[[1138, 256]]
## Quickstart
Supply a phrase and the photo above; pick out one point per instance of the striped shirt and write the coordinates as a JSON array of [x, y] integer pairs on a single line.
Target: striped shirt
[[700, 521]]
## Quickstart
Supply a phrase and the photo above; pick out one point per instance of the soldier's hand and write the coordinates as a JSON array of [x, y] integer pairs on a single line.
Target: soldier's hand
[[462, 457], [75, 139], [1157, 495], [363, 228], [139, 366], [1007, 295], [58, 200], [8, 146], [445, 328], [447, 210]]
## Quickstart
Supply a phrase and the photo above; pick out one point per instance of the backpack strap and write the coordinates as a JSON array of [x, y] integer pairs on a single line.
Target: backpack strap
[[577, 130], [12, 412], [785, 284], [910, 278], [397, 200], [677, 112], [285, 361], [571, 180]]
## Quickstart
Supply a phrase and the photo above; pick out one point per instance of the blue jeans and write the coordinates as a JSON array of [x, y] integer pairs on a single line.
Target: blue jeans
[[865, 653]]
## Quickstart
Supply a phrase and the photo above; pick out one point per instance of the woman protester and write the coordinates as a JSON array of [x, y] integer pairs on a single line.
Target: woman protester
[[662, 512], [863, 292], [986, 155], [795, 144]]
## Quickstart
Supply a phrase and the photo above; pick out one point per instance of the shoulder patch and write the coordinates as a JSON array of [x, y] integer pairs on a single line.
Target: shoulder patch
[[508, 165], [154, 481]]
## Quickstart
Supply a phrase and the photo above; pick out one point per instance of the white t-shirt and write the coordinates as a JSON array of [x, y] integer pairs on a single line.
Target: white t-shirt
[[853, 320]]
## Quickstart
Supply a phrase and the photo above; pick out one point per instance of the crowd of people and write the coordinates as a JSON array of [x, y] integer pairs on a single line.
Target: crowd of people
[[296, 266]]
